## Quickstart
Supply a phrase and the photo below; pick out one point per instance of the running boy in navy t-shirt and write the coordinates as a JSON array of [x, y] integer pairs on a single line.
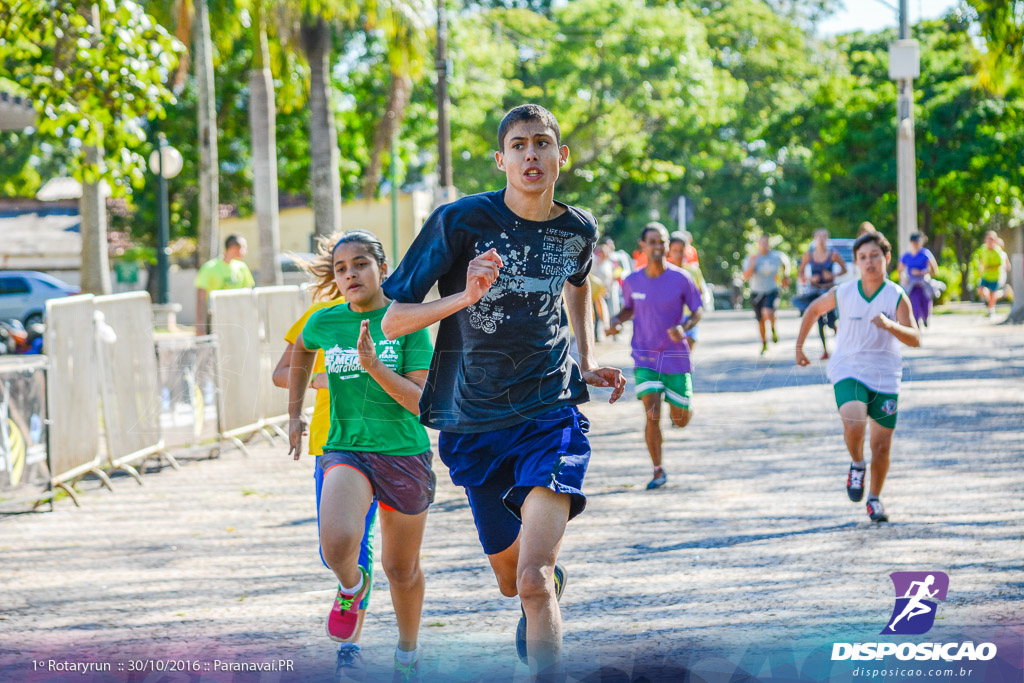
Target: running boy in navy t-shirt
[[502, 387]]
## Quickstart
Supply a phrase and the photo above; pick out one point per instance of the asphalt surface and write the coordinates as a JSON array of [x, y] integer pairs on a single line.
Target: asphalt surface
[[753, 542]]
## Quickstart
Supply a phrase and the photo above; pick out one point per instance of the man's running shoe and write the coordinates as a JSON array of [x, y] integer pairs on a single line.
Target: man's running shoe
[[876, 512], [855, 484], [343, 620], [561, 578], [659, 479], [764, 348], [349, 665], [775, 336], [407, 673]]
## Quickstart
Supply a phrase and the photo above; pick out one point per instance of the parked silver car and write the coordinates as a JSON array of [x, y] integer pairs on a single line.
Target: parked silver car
[[23, 294]]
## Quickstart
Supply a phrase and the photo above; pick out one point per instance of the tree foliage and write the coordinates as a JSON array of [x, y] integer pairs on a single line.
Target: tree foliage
[[91, 87]]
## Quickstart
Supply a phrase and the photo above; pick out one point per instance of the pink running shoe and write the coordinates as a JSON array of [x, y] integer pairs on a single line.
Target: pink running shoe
[[343, 621]]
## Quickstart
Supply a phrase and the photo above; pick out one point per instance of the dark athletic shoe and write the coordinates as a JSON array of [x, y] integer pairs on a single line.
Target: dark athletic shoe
[[876, 512], [659, 479], [561, 578], [855, 484], [349, 665]]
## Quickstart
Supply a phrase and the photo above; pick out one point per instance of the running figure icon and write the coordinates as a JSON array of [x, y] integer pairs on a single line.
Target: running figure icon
[[916, 607]]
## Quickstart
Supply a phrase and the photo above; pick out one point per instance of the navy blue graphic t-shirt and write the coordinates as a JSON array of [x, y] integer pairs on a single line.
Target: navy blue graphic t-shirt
[[505, 359]]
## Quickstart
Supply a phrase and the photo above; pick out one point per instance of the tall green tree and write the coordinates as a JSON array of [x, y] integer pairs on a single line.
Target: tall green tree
[[94, 72]]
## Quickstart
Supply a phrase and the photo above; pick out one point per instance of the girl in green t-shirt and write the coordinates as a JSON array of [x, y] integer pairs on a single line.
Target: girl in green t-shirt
[[376, 448]]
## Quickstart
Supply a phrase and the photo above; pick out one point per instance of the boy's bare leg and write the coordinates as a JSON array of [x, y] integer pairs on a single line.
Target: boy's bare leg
[[505, 565], [855, 422], [545, 514], [652, 430], [881, 442]]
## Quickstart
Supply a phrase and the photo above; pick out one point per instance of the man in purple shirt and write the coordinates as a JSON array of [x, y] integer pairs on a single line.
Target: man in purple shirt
[[655, 299]]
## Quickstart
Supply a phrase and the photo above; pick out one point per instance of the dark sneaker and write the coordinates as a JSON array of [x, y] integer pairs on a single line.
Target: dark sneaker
[[343, 620], [407, 673], [659, 479], [855, 484], [561, 578], [876, 512], [350, 665]]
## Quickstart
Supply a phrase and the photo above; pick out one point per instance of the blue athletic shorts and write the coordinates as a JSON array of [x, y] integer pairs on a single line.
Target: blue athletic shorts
[[499, 468], [365, 546]]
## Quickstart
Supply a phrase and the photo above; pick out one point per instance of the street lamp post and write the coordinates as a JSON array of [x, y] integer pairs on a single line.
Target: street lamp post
[[165, 162]]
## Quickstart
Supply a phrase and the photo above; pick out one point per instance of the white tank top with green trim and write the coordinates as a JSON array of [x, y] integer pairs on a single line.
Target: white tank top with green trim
[[866, 353]]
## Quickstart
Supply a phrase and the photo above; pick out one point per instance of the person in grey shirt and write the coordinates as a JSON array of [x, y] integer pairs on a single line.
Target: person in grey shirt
[[762, 270]]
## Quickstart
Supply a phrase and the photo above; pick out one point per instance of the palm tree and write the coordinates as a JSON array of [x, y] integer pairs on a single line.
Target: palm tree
[[406, 29], [208, 243], [324, 177], [190, 21], [262, 121]]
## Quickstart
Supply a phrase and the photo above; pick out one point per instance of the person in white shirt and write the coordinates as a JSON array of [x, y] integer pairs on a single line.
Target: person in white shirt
[[867, 364]]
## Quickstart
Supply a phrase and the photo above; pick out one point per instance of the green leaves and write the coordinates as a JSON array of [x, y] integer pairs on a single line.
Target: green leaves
[[92, 87]]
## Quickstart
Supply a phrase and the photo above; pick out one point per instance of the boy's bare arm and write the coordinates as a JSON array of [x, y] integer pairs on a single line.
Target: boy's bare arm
[[577, 300]]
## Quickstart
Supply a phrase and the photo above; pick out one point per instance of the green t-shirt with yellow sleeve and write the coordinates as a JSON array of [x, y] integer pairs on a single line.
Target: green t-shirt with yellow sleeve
[[364, 417]]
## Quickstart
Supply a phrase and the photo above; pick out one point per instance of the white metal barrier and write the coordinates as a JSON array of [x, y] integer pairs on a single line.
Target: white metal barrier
[[279, 308], [188, 391], [24, 467], [72, 399], [234, 319], [129, 382]]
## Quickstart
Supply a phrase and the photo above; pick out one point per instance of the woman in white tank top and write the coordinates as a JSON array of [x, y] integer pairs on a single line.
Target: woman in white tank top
[[875, 317]]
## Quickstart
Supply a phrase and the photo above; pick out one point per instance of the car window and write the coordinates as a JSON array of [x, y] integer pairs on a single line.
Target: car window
[[14, 285]]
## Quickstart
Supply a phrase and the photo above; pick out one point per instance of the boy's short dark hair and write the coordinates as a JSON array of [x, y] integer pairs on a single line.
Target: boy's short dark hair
[[653, 225], [232, 241], [527, 112], [875, 237]]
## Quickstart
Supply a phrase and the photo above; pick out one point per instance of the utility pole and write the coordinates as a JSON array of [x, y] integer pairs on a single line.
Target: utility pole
[[446, 188], [904, 66]]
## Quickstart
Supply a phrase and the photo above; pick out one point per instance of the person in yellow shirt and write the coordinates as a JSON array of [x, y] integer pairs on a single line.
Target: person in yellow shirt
[[993, 265], [221, 272], [325, 295]]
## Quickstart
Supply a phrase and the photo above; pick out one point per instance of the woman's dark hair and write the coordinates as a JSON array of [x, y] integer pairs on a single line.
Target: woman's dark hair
[[368, 240], [875, 237]]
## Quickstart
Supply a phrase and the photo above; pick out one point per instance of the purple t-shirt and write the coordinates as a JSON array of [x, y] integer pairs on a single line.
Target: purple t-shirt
[[658, 305], [918, 261]]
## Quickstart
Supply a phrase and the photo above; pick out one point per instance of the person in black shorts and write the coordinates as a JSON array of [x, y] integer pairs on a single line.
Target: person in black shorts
[[762, 269], [503, 388]]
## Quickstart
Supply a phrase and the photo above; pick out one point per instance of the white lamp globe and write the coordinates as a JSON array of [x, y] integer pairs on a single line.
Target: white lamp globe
[[173, 162]]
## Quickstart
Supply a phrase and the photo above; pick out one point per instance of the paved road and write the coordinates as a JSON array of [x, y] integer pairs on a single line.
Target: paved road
[[752, 542]]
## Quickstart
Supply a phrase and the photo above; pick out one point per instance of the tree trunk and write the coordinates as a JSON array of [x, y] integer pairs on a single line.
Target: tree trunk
[[963, 257], [92, 206], [95, 275], [209, 176], [264, 156], [324, 176], [387, 128]]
